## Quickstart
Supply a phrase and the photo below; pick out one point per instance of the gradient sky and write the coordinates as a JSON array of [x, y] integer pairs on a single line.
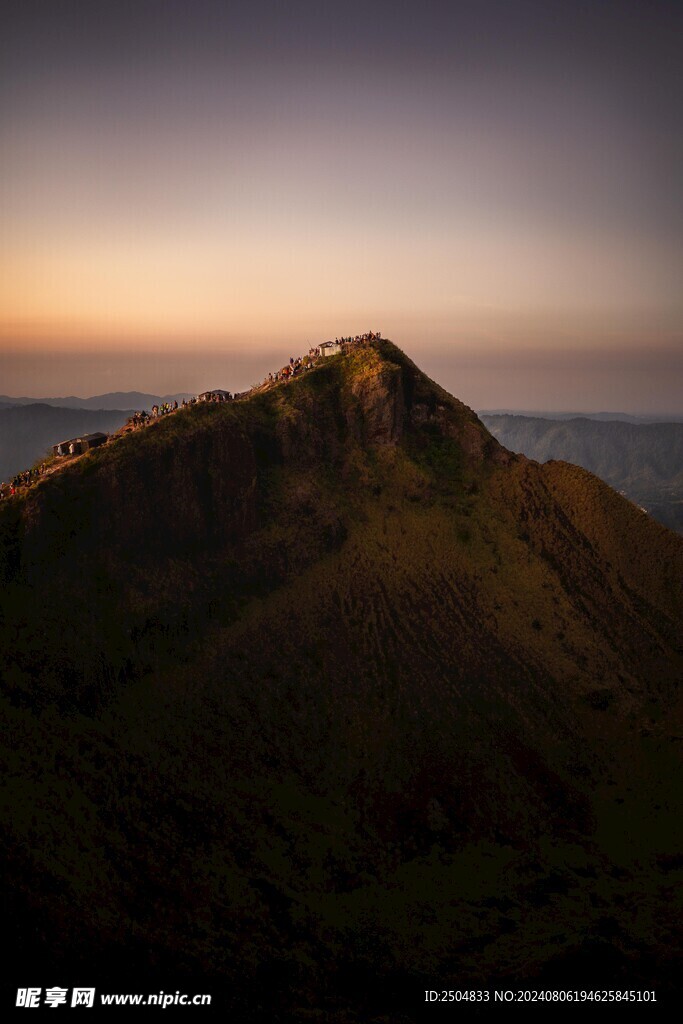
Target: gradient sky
[[193, 191]]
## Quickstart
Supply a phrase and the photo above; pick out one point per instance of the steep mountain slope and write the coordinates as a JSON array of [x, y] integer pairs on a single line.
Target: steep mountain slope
[[643, 460], [328, 698]]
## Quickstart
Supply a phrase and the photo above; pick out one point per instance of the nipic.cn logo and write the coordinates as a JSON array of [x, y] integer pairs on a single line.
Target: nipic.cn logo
[[29, 998]]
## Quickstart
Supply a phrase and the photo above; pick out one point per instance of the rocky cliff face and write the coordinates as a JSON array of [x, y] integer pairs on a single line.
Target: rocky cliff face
[[376, 413], [329, 671]]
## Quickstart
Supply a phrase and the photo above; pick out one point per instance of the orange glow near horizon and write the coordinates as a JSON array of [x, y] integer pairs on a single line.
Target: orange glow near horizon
[[222, 188], [177, 290]]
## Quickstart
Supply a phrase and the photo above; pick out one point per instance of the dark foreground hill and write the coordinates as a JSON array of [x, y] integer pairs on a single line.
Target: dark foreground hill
[[325, 698], [642, 460]]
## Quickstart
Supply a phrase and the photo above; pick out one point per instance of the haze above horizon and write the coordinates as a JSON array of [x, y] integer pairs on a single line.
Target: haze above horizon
[[192, 193]]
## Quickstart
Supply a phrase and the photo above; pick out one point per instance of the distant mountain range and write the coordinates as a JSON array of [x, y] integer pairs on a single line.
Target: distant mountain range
[[112, 400], [642, 460], [623, 417]]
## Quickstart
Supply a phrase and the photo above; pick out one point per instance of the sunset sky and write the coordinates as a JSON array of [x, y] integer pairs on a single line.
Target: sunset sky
[[193, 190]]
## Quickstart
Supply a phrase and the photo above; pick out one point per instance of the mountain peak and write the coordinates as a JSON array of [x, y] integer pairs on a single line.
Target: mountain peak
[[382, 398]]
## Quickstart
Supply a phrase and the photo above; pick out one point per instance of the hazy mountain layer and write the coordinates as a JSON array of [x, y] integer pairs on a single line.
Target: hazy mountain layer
[[645, 461], [28, 431], [113, 400], [623, 417], [327, 697]]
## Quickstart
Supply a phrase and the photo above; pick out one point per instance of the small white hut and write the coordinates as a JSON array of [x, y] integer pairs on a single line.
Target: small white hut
[[217, 395]]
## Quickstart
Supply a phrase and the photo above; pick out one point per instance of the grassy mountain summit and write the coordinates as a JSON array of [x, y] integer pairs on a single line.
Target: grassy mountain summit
[[327, 695]]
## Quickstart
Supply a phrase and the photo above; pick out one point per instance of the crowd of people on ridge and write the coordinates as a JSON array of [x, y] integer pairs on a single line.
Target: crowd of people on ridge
[[23, 479], [139, 419], [300, 364], [295, 367], [142, 419]]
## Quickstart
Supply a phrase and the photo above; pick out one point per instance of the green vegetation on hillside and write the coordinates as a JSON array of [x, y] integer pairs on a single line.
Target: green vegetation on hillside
[[325, 696]]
